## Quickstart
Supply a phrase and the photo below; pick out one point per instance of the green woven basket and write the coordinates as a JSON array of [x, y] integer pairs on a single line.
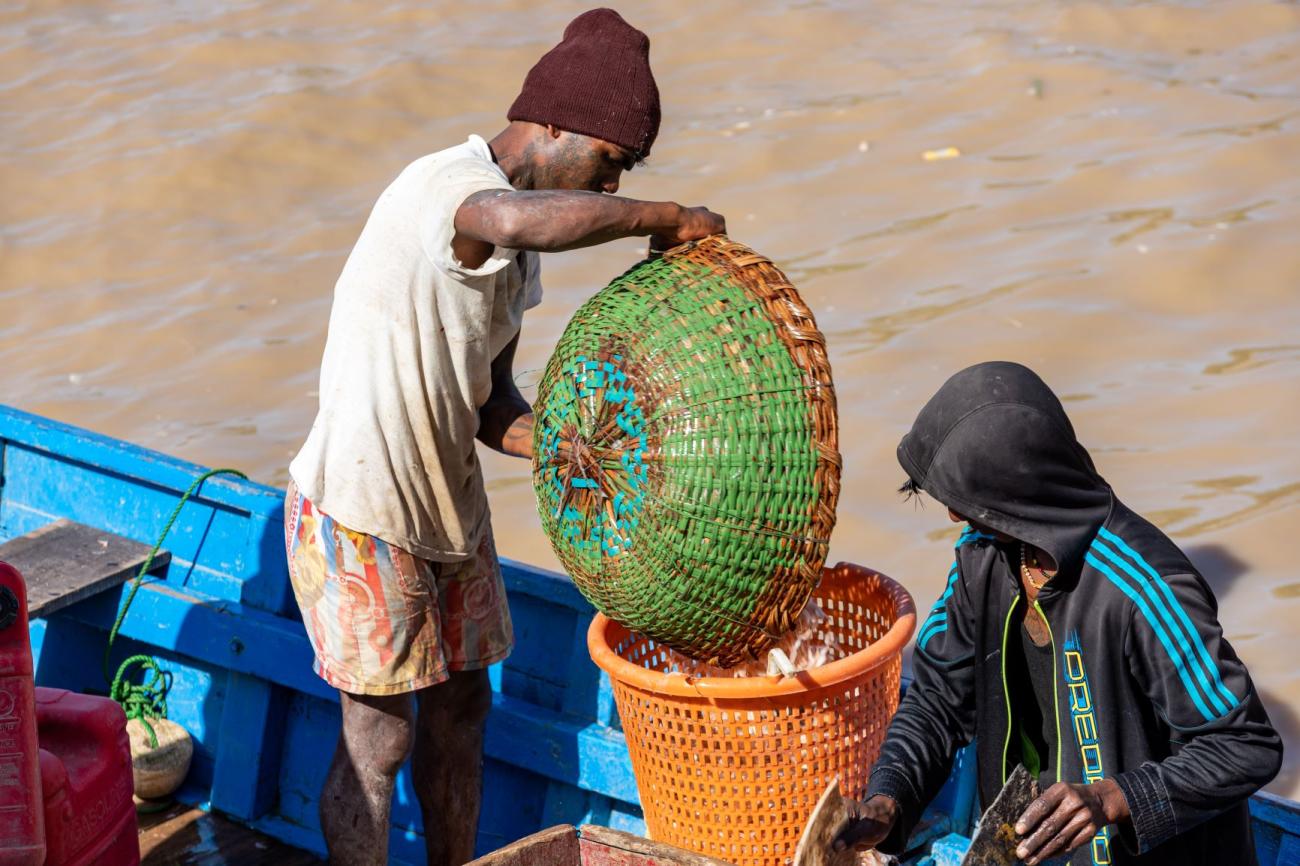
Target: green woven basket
[[685, 457]]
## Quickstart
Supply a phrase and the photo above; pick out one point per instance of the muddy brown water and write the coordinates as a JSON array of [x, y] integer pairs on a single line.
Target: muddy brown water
[[182, 182]]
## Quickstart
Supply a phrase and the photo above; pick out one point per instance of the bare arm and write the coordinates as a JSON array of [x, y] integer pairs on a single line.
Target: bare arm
[[506, 419], [555, 220]]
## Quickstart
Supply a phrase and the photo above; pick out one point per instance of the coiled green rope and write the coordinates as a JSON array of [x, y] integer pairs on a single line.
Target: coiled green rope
[[148, 699]]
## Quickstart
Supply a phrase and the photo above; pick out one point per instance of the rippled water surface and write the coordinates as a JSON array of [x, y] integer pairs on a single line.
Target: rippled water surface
[[182, 182]]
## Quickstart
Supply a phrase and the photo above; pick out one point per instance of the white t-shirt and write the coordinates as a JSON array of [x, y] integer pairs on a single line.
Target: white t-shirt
[[407, 364]]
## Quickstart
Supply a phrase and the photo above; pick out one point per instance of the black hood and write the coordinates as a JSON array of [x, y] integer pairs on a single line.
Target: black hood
[[995, 445]]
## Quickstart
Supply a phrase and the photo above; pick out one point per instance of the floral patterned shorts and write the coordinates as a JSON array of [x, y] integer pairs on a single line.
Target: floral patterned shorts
[[384, 622]]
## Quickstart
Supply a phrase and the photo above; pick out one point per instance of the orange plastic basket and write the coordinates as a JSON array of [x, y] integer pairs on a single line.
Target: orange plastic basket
[[731, 767]]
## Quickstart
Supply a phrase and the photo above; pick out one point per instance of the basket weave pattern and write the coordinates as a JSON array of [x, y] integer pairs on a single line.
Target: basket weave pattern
[[686, 458], [732, 768]]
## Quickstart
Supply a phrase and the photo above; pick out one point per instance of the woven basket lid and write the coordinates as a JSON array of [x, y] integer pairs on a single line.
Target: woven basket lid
[[685, 455]]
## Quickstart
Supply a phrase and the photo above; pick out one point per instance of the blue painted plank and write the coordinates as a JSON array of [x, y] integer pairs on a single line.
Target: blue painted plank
[[1277, 829], [1277, 811], [217, 550], [1289, 851], [36, 630], [542, 638], [311, 728], [626, 818], [251, 642], [1268, 840], [592, 757], [71, 654], [565, 804], [247, 768], [543, 584], [222, 633], [512, 798], [122, 458], [275, 649], [587, 694], [53, 470], [530, 689]]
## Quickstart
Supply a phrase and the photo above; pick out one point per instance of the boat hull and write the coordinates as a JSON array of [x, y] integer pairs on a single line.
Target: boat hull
[[223, 620]]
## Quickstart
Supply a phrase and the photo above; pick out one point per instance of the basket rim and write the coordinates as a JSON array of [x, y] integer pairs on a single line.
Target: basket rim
[[889, 646]]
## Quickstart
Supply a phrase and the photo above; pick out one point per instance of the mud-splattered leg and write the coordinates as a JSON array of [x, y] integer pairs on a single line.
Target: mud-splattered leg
[[377, 736], [448, 764]]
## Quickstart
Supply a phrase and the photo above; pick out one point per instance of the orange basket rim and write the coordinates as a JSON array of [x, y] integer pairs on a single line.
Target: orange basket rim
[[853, 666]]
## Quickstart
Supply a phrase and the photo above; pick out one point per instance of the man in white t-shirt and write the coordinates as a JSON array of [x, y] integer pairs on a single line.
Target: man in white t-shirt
[[387, 529]]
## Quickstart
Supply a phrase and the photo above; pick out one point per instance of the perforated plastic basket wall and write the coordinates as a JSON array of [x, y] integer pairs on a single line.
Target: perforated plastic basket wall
[[732, 767]]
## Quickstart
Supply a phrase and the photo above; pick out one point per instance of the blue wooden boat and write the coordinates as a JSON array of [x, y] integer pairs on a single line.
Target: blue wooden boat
[[222, 619]]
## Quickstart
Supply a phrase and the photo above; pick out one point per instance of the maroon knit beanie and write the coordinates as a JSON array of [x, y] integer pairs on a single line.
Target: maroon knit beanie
[[596, 82]]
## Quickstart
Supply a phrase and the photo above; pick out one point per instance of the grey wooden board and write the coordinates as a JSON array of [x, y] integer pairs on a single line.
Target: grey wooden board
[[64, 562]]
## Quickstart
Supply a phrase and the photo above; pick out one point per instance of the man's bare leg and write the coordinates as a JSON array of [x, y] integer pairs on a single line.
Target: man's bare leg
[[376, 737], [448, 764]]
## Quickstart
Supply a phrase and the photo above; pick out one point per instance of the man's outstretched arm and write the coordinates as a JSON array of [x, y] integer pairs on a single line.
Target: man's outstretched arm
[[549, 221]]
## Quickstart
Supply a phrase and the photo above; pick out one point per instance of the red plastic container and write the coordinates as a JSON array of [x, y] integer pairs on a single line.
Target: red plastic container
[[22, 836], [86, 773]]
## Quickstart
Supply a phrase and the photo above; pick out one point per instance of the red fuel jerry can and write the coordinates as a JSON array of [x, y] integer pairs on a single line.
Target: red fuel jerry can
[[22, 813], [86, 773]]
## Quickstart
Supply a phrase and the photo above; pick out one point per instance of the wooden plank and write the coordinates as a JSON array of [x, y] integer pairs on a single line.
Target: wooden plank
[[186, 836], [228, 541], [1278, 811], [246, 775], [117, 457], [540, 583], [587, 756], [588, 694], [1289, 850], [1277, 829], [602, 846], [222, 633], [66, 562], [556, 846]]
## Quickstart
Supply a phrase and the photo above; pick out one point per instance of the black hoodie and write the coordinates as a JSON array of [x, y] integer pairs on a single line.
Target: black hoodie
[[1147, 690]]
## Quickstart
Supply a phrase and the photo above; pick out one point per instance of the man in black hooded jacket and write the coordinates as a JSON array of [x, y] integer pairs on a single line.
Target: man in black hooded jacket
[[1074, 637]]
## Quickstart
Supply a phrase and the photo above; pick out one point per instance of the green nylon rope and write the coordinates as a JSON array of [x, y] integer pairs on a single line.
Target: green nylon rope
[[148, 699]]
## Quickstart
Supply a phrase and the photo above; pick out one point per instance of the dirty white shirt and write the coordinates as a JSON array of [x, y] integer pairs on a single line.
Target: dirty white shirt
[[407, 364]]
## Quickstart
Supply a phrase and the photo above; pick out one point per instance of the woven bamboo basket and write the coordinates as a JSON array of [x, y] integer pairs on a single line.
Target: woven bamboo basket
[[686, 458]]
